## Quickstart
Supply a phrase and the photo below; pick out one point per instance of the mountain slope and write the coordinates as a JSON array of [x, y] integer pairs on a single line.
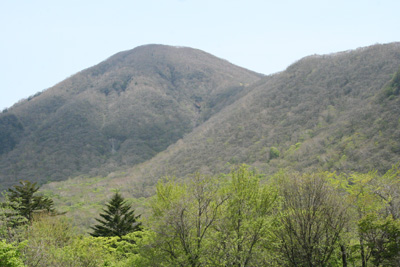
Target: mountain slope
[[120, 112], [329, 112], [334, 112]]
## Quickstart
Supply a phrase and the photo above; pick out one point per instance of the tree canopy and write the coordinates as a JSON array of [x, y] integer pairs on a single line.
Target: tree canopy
[[118, 219], [24, 199]]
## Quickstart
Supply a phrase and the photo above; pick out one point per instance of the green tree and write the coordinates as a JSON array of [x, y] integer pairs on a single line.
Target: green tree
[[44, 234], [379, 216], [274, 153], [10, 255], [363, 197], [214, 221], [10, 218], [27, 202], [53, 241], [243, 232], [183, 217], [119, 219], [382, 236]]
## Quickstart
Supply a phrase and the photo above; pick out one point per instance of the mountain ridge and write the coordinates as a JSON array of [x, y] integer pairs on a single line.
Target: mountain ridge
[[314, 114], [136, 102], [338, 113], [319, 128]]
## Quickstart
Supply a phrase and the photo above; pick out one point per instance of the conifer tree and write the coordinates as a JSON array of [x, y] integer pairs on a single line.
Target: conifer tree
[[10, 218], [118, 219], [27, 201]]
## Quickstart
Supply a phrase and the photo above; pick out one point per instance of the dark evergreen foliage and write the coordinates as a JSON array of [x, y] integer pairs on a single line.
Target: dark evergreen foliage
[[10, 219], [118, 219], [11, 131], [26, 203], [395, 83]]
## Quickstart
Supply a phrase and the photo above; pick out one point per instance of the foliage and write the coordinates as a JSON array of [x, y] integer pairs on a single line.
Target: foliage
[[26, 202], [374, 200], [10, 254], [83, 252], [118, 219], [380, 226], [44, 235], [10, 218], [11, 131], [243, 233], [382, 236], [274, 153], [52, 241], [237, 219], [183, 216], [393, 88], [213, 222]]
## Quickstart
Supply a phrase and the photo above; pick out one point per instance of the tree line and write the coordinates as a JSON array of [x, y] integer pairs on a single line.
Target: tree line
[[237, 219]]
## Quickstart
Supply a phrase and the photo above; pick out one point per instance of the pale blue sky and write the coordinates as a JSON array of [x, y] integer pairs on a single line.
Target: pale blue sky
[[43, 42]]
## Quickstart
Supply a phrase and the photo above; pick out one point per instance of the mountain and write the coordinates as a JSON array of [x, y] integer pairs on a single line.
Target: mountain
[[118, 113], [337, 112], [159, 110], [330, 112]]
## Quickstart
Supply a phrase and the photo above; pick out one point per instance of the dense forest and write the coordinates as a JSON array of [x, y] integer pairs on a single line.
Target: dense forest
[[242, 218]]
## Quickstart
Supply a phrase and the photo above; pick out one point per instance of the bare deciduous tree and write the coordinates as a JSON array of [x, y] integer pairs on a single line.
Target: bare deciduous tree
[[312, 219]]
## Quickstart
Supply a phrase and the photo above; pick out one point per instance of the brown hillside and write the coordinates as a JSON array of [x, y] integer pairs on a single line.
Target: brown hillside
[[120, 112], [328, 112]]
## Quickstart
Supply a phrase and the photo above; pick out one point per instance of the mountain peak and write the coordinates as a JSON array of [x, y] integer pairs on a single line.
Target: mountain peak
[[120, 112], [332, 112]]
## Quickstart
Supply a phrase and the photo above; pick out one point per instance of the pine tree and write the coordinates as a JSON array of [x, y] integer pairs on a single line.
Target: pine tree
[[28, 202], [10, 218], [118, 219]]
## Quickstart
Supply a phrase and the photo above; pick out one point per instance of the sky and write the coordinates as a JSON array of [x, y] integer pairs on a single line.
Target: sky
[[44, 42]]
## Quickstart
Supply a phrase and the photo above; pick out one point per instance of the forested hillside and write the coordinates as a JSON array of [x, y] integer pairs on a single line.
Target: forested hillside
[[336, 112], [120, 112]]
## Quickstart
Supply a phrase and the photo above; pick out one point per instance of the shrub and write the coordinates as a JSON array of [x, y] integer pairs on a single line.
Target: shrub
[[10, 254], [274, 153]]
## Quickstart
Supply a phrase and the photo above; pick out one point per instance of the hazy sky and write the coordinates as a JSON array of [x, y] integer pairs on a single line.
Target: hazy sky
[[44, 42]]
